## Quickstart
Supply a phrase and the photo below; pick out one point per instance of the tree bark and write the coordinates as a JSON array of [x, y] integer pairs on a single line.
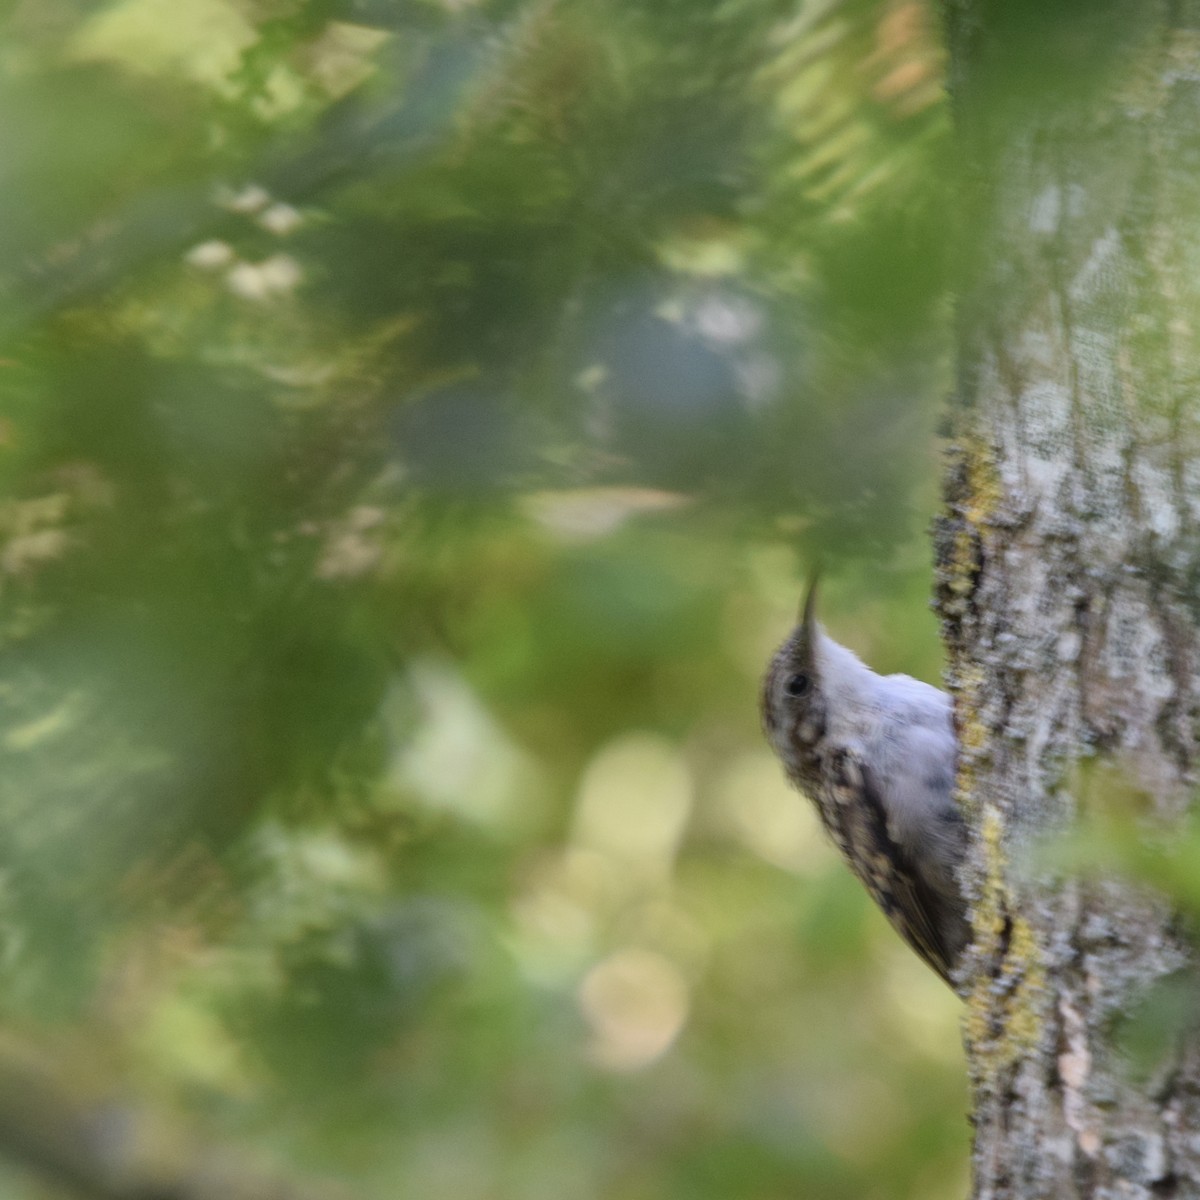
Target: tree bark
[[1069, 560]]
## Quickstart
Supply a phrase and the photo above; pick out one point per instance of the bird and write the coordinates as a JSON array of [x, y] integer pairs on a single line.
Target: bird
[[876, 755]]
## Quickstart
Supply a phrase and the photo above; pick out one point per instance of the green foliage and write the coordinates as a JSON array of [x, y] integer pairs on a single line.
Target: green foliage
[[415, 417]]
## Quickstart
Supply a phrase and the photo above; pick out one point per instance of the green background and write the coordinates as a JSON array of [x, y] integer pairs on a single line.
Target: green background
[[416, 421]]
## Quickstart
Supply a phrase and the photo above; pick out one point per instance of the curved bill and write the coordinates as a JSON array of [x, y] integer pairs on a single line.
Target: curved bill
[[808, 619]]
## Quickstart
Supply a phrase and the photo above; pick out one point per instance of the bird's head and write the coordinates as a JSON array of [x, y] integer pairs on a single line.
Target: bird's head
[[793, 696]]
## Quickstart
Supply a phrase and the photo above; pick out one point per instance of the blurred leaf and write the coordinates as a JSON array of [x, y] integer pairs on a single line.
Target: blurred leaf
[[414, 420], [1145, 1036]]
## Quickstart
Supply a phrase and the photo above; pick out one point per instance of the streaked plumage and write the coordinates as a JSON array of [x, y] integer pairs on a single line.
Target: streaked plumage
[[876, 755]]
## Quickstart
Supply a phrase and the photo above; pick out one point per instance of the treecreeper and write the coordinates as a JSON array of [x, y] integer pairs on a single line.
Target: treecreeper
[[876, 756]]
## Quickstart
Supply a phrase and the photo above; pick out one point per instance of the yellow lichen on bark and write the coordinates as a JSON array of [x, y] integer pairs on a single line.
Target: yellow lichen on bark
[[985, 490], [1005, 1012]]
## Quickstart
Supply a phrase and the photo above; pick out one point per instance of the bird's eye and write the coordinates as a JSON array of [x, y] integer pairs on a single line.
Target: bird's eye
[[798, 685]]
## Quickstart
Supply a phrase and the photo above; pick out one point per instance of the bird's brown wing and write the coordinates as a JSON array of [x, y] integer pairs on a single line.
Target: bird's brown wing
[[858, 823]]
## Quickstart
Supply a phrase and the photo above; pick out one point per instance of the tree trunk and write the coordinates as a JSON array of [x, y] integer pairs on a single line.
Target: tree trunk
[[1069, 561]]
